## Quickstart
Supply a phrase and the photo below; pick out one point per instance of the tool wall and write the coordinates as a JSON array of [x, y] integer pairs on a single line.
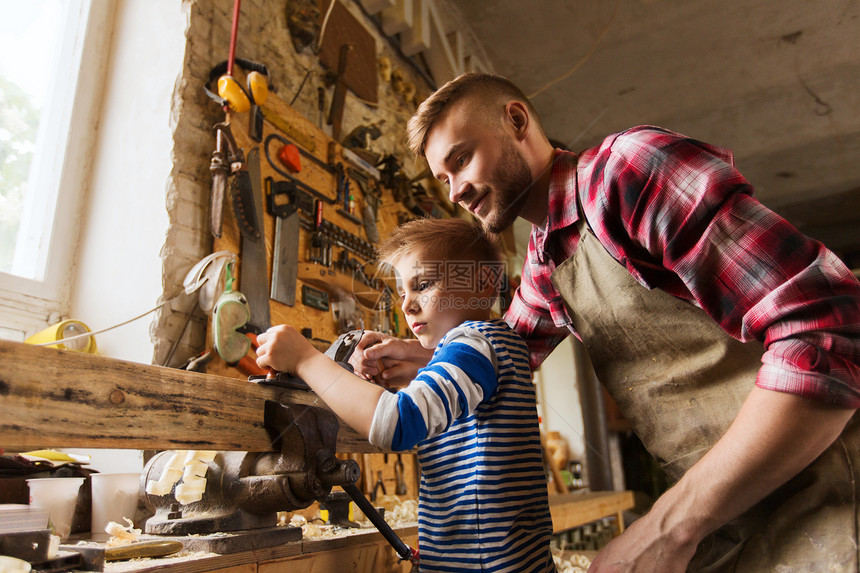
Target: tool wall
[[312, 266], [317, 229]]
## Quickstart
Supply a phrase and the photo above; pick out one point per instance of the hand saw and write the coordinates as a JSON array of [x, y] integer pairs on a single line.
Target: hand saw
[[285, 260], [254, 276]]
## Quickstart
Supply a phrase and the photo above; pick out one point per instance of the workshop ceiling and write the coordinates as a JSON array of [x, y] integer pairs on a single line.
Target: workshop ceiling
[[776, 81]]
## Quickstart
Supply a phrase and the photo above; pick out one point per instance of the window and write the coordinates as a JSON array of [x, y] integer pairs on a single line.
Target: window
[[51, 54]]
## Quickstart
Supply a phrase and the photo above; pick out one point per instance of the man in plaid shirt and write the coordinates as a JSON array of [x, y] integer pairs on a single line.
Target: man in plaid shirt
[[730, 340]]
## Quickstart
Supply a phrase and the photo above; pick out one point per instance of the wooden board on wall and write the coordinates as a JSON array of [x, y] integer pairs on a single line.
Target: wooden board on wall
[[341, 29], [374, 466]]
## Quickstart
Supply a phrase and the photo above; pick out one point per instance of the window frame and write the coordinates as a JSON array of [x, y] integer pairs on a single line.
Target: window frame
[[60, 174]]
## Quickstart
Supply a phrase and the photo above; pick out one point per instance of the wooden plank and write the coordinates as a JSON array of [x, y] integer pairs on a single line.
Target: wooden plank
[[571, 510], [375, 6], [444, 61], [409, 535], [57, 398], [246, 568], [238, 563], [343, 28], [372, 464]]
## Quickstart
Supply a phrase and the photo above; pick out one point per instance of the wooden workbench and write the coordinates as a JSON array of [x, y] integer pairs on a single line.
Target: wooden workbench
[[61, 399], [367, 552], [53, 398]]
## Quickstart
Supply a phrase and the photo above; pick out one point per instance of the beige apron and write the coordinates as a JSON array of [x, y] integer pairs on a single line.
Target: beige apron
[[680, 380]]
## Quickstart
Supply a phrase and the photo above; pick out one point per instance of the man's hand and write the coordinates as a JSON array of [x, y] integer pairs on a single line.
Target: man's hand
[[773, 437], [283, 348], [387, 360], [642, 549]]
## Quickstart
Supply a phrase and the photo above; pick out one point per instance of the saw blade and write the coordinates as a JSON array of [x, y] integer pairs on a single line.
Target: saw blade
[[255, 275], [285, 265]]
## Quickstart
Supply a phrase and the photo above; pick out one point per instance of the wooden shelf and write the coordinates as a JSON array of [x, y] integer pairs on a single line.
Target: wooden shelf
[[571, 510]]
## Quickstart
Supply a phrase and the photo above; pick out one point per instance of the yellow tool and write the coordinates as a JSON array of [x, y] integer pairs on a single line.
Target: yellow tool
[[231, 93], [66, 329], [240, 99]]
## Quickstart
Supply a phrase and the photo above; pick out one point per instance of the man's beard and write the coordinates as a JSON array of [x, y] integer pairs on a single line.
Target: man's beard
[[512, 183]]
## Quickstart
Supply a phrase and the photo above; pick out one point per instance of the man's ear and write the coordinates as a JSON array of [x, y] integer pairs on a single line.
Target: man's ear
[[518, 116]]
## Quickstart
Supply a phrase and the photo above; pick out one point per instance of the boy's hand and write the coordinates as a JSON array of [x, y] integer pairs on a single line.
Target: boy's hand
[[387, 360], [282, 348]]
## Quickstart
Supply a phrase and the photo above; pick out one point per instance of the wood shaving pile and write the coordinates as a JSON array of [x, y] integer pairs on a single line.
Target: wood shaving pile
[[575, 563], [121, 535], [402, 513], [398, 514], [131, 565]]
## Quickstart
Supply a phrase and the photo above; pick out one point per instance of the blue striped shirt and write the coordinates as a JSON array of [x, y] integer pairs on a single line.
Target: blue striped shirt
[[471, 411]]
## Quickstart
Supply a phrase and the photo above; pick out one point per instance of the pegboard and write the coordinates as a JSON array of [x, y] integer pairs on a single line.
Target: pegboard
[[297, 129]]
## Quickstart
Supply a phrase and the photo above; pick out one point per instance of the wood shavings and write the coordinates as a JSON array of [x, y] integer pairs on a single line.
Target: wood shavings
[[171, 474], [316, 531], [397, 512], [574, 563], [137, 563], [407, 511], [121, 535]]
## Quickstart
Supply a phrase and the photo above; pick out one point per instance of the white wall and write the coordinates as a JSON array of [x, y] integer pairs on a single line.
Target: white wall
[[559, 398], [118, 269]]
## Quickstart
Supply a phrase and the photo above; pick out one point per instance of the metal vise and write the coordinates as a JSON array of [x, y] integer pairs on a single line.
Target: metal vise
[[246, 490]]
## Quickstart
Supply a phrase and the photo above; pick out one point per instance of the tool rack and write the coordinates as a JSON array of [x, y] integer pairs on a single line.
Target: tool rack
[[320, 157]]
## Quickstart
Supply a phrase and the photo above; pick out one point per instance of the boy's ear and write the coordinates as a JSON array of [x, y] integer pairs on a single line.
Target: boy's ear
[[518, 117], [490, 291]]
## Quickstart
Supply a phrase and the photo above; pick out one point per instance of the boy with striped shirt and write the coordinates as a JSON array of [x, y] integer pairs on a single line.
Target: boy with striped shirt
[[470, 412]]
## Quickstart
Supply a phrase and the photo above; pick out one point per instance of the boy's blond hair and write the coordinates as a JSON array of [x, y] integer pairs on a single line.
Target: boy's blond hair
[[451, 239], [444, 240], [493, 90]]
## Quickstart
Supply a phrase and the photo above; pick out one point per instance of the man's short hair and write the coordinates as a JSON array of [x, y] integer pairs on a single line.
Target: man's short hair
[[492, 88]]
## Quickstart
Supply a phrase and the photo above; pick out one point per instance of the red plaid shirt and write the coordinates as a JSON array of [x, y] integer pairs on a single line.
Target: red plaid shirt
[[679, 216]]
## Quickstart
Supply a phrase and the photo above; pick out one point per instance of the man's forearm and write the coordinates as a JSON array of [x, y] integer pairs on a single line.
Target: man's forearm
[[774, 436]]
